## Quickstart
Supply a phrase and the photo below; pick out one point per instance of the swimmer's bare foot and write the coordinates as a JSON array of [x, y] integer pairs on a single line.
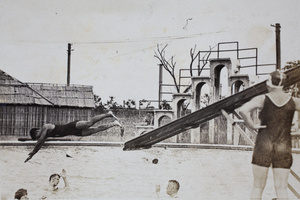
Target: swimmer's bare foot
[[117, 123], [112, 115]]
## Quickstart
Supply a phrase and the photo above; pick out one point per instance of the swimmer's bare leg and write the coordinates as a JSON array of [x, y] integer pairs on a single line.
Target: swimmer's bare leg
[[112, 115], [93, 120], [121, 127], [117, 122], [93, 130]]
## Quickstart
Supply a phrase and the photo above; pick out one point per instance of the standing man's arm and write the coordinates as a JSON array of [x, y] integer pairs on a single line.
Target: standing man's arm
[[297, 103], [246, 110], [40, 142]]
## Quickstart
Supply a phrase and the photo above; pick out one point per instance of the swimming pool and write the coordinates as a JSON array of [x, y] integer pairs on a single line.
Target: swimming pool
[[111, 173]]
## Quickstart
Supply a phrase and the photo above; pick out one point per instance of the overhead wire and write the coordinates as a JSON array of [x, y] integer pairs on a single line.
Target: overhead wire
[[150, 39], [35, 43]]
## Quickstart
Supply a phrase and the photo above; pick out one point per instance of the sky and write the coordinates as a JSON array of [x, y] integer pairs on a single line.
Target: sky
[[113, 42]]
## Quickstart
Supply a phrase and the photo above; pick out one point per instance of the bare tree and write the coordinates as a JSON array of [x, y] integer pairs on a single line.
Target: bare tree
[[169, 65], [204, 60], [193, 58]]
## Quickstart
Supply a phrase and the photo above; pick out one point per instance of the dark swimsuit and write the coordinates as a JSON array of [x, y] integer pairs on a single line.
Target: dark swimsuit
[[65, 130], [273, 144]]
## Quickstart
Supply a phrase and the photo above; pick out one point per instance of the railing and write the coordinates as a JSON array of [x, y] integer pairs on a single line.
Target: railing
[[238, 57], [152, 101], [257, 67]]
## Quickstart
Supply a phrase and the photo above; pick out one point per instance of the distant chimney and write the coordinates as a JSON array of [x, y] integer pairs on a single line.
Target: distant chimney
[[69, 64]]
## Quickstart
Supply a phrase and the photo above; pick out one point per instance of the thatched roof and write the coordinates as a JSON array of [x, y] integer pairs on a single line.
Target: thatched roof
[[13, 91], [63, 95]]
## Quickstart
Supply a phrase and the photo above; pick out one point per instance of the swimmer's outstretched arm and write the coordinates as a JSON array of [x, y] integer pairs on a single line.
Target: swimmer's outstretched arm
[[246, 110], [39, 144], [64, 177]]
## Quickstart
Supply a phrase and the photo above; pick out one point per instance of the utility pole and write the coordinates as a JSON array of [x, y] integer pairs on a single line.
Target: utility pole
[[69, 63], [278, 51], [160, 83]]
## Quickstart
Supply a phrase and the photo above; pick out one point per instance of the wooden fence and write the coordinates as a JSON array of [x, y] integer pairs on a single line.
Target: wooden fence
[[17, 120]]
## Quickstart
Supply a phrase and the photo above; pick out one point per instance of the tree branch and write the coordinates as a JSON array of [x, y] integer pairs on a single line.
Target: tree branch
[[168, 66]]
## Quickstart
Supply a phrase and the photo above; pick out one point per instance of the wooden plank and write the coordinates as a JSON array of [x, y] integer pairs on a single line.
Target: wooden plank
[[237, 127], [23, 139], [193, 120], [294, 191], [253, 132]]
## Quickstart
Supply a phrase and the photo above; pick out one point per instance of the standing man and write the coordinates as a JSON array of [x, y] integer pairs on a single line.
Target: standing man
[[77, 128], [273, 145]]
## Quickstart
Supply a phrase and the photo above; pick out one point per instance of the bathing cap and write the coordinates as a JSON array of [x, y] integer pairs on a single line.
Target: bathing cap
[[276, 79]]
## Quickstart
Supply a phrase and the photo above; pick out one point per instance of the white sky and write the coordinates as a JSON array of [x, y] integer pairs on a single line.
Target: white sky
[[114, 41]]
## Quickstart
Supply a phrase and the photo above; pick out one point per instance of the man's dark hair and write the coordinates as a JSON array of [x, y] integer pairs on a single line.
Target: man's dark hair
[[53, 175], [20, 192], [33, 133]]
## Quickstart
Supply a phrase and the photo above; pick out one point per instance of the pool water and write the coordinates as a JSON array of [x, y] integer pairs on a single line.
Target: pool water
[[111, 173]]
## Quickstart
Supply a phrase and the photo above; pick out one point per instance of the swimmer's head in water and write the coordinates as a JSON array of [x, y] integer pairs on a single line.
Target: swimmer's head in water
[[173, 187], [54, 175], [276, 79], [34, 133], [54, 179], [21, 193]]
